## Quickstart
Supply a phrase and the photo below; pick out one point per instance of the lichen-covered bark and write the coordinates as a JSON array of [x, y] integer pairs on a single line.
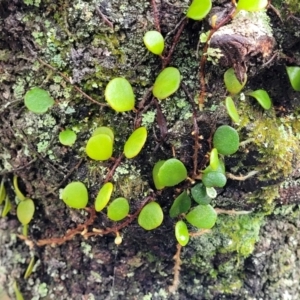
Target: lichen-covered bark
[[244, 256]]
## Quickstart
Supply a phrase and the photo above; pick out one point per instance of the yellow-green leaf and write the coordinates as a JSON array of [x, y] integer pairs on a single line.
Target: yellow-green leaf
[[135, 142], [103, 196], [25, 211]]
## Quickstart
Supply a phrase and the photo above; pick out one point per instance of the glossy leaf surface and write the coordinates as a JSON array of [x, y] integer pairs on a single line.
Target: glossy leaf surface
[[67, 137], [181, 204], [154, 42], [104, 130], [199, 9], [199, 194], [214, 159], [25, 211], [226, 140], [118, 209], [182, 233], [99, 147], [75, 195], [166, 83], [262, 98], [231, 110], [171, 172], [119, 94], [202, 216], [103, 196], [156, 179], [252, 5], [38, 100], [214, 179], [294, 77], [232, 84], [151, 216], [135, 142]]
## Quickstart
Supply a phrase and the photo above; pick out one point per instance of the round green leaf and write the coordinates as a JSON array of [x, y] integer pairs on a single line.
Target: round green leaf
[[171, 172], [232, 84], [25, 211], [104, 130], [231, 110], [182, 233], [119, 94], [214, 159], [99, 147], [252, 5], [199, 9], [226, 140], [214, 179], [75, 195], [199, 194], [151, 216], [202, 216], [262, 98], [181, 204], [211, 192], [154, 42], [294, 77], [135, 142], [118, 209], [38, 100], [103, 196], [67, 137], [156, 180], [166, 83]]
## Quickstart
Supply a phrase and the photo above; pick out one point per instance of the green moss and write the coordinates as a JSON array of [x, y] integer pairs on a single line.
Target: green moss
[[241, 232]]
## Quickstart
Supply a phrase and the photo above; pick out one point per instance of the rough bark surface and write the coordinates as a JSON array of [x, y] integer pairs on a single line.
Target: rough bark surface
[[251, 256]]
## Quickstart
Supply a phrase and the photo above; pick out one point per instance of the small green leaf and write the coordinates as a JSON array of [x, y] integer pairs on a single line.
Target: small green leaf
[[75, 195], [211, 192], [29, 268], [181, 205], [232, 84], [19, 295], [214, 179], [154, 42], [171, 172], [156, 180], [103, 196], [38, 100], [226, 140], [199, 194], [166, 83], [119, 94], [67, 137], [231, 110], [151, 216], [19, 194], [99, 147], [262, 98], [104, 130], [202, 216], [2, 191], [252, 5], [214, 159], [7, 207], [199, 9], [294, 77], [135, 142], [118, 209], [25, 211], [182, 233]]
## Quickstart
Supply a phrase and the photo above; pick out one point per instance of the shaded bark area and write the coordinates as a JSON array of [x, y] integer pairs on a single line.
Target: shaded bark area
[[244, 257]]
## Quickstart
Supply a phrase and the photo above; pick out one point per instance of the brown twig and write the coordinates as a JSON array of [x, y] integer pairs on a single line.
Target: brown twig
[[173, 288], [104, 18], [156, 15], [111, 172]]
